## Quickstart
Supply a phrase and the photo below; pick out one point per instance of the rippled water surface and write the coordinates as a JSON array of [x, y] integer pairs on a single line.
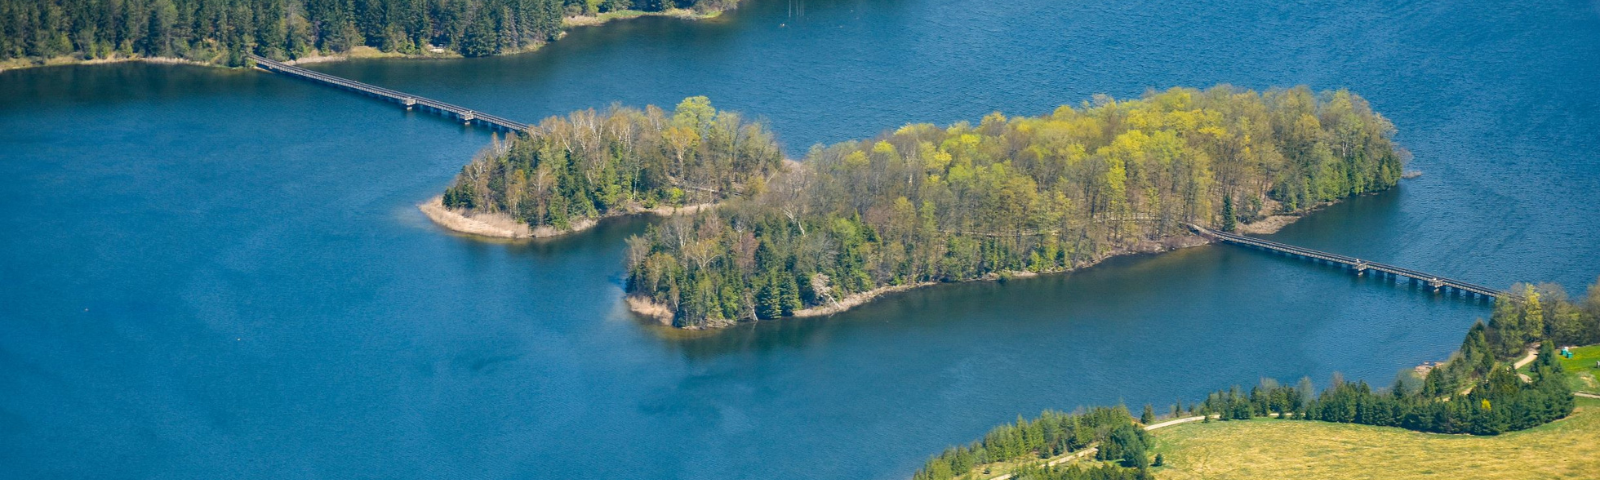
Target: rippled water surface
[[220, 274]]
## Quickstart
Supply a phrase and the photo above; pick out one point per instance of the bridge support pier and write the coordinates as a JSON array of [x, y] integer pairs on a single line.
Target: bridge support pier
[[1389, 273]]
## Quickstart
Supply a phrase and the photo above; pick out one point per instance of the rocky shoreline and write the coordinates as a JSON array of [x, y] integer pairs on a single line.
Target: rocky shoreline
[[663, 314]]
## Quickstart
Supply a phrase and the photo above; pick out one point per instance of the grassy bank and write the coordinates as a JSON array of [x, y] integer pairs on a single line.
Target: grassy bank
[[1265, 448]]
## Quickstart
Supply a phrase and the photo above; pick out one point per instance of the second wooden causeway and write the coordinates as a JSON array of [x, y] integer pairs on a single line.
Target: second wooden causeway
[[1359, 266]]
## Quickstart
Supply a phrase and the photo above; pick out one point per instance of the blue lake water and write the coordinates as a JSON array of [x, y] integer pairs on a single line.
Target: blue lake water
[[221, 274]]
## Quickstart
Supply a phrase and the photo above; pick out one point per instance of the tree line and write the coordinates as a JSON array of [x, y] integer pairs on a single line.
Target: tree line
[[224, 31], [592, 164], [1037, 194], [1477, 392], [1545, 313], [1492, 402], [1110, 429]]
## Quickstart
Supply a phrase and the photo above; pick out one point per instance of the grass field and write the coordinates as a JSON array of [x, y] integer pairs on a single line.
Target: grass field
[[1583, 370], [1271, 449]]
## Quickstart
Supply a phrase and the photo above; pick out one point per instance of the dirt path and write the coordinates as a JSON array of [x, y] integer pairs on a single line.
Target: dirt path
[[1092, 449], [1175, 421], [1533, 353], [1060, 460]]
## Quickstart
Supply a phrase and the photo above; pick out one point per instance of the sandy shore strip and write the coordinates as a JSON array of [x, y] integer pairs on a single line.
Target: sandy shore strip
[[854, 300], [1266, 226], [499, 225], [486, 224], [649, 308], [604, 18], [26, 63]]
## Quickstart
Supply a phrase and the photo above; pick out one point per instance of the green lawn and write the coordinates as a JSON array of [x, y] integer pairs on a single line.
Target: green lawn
[[1581, 368], [1272, 449]]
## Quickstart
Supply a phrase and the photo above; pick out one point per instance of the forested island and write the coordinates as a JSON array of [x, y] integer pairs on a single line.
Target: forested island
[[1008, 196], [568, 172], [224, 32], [1482, 389]]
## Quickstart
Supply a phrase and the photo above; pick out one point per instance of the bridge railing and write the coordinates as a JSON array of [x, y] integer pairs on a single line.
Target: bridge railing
[[1353, 262], [396, 96]]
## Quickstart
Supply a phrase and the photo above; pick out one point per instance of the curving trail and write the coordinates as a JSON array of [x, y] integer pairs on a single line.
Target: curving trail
[[1092, 449]]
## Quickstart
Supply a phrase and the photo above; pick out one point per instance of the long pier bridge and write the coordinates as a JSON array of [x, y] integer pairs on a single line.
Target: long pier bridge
[[464, 115], [1359, 266]]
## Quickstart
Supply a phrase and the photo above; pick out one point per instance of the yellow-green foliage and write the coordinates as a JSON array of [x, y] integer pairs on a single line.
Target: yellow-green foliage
[[1274, 449], [1046, 193], [592, 164]]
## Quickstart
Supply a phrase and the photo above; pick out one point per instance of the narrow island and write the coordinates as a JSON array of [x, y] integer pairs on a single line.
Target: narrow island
[[1508, 376], [216, 32], [1009, 197]]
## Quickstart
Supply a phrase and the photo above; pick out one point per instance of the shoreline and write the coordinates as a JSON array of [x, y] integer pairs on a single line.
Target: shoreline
[[67, 60], [648, 308], [608, 17], [360, 52], [855, 300], [502, 226]]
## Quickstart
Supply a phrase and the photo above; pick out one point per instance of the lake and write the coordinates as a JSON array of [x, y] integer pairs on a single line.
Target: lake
[[221, 274]]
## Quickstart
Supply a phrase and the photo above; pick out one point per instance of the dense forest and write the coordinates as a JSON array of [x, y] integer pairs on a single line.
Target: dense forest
[[1491, 400], [592, 164], [1030, 194], [1111, 431], [1475, 392], [224, 31]]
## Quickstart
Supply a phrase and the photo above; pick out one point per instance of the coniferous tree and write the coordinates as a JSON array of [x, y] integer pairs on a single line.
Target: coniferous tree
[[223, 31], [1228, 218]]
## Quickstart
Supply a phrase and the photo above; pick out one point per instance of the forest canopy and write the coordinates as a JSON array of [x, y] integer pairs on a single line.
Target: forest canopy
[[1022, 194], [590, 164], [224, 31]]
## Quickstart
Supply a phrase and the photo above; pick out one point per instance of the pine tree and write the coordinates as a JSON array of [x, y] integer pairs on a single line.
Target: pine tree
[[790, 296], [769, 299], [1149, 415], [1229, 223]]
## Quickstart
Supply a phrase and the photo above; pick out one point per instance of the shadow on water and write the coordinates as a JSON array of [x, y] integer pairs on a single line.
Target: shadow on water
[[1096, 291], [1357, 223], [1206, 280], [71, 86]]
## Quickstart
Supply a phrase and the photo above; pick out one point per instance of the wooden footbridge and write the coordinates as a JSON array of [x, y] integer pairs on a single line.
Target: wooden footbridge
[[465, 115], [1359, 266]]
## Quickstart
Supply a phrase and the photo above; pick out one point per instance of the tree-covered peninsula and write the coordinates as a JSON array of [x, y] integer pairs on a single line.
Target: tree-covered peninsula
[[225, 31], [1009, 195], [567, 172]]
